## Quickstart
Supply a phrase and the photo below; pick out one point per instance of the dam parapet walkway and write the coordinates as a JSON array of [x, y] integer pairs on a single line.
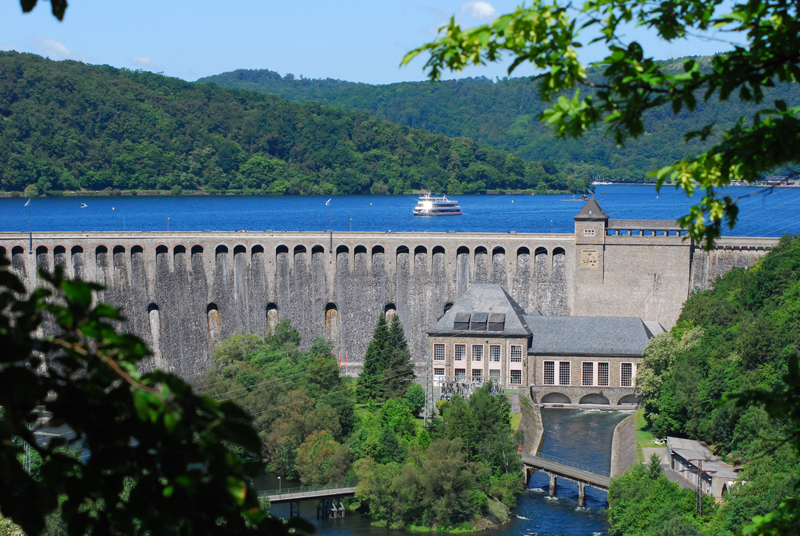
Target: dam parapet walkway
[[574, 472]]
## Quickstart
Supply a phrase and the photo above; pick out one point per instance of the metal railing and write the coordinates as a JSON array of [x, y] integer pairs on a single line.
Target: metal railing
[[303, 489], [573, 464]]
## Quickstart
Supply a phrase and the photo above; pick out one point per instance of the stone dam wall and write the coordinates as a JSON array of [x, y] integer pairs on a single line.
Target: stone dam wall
[[184, 292]]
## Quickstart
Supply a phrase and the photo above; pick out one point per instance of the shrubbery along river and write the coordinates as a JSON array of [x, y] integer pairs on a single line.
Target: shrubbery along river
[[579, 436]]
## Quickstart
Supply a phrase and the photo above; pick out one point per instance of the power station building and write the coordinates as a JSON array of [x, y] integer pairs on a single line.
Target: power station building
[[564, 360]]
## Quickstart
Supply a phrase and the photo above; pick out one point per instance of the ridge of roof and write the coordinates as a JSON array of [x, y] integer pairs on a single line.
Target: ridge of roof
[[591, 211], [483, 298]]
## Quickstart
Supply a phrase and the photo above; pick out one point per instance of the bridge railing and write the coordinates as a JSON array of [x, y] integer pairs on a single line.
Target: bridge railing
[[303, 489], [573, 464]]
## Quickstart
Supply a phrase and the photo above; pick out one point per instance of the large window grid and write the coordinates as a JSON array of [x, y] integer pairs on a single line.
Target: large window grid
[[516, 377], [588, 373], [602, 374], [461, 375], [494, 353], [626, 374], [477, 353], [563, 373], [438, 352], [460, 352], [477, 376], [516, 354], [549, 372], [438, 372], [494, 376]]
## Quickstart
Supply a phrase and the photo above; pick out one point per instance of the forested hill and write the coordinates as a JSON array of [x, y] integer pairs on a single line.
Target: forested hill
[[66, 125], [503, 114]]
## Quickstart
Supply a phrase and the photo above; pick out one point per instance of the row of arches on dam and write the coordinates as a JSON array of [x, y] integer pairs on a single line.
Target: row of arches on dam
[[182, 298], [597, 399]]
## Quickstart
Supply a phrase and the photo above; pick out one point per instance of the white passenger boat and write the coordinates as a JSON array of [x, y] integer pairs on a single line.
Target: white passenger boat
[[432, 205]]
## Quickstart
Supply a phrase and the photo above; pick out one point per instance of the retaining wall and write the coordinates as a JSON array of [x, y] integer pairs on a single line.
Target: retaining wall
[[623, 446]]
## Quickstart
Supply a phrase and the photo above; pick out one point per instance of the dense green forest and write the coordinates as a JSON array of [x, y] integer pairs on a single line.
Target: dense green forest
[[503, 113], [458, 472], [68, 126], [740, 335]]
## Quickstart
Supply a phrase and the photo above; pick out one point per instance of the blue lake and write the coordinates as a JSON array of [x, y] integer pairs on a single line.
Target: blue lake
[[760, 215]]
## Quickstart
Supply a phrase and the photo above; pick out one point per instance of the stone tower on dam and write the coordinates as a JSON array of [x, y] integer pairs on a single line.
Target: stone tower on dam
[[183, 292]]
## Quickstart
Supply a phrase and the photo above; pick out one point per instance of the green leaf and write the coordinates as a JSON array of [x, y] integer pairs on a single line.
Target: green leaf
[[237, 488]]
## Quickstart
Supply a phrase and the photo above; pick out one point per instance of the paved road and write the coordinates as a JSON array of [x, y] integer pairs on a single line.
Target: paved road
[[668, 472]]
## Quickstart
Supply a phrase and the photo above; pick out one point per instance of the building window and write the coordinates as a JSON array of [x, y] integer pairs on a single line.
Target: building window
[[461, 375], [588, 232], [563, 373], [549, 372], [438, 352], [626, 374], [516, 354], [494, 353], [477, 376], [461, 351], [494, 376], [602, 374], [438, 372], [477, 353], [588, 373], [516, 377]]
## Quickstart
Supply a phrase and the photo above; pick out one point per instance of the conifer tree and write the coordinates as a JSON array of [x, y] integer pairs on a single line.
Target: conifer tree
[[398, 370], [369, 385]]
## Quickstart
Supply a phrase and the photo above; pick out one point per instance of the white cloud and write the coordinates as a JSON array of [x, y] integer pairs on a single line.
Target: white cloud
[[146, 63], [479, 10], [55, 50]]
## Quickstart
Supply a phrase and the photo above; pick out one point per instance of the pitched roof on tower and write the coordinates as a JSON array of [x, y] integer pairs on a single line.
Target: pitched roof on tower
[[591, 211]]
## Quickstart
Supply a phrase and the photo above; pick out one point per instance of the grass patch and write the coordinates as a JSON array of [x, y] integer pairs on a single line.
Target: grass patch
[[418, 528], [644, 438], [516, 418]]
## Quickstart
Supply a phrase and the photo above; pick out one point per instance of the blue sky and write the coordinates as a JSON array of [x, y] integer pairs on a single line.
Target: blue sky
[[356, 40]]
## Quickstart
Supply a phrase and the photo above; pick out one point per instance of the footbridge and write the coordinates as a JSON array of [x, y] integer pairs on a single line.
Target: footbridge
[[330, 499], [556, 468]]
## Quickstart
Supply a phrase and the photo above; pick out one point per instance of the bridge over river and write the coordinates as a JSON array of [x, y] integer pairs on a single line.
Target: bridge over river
[[555, 468], [328, 497]]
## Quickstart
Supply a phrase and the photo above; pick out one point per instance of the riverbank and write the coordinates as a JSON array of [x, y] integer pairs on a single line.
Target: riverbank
[[177, 192]]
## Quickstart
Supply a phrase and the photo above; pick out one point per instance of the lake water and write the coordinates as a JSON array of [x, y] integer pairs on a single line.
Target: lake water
[[579, 436], [760, 215]]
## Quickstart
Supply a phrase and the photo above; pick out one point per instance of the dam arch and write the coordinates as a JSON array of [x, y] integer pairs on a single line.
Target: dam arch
[[331, 321], [594, 398], [556, 398]]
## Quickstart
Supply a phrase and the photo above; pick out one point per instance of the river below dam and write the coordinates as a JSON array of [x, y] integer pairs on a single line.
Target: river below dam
[[759, 215], [579, 436]]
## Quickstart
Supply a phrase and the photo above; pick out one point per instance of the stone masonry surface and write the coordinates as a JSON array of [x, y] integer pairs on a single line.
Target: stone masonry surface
[[182, 292]]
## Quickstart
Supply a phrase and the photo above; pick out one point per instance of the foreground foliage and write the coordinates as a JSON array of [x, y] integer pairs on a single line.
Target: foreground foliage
[[740, 337], [149, 456], [765, 50], [70, 126]]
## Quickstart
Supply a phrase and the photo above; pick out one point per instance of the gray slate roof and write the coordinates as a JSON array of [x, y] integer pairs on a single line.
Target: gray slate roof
[[483, 299], [587, 336], [644, 225], [591, 211]]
